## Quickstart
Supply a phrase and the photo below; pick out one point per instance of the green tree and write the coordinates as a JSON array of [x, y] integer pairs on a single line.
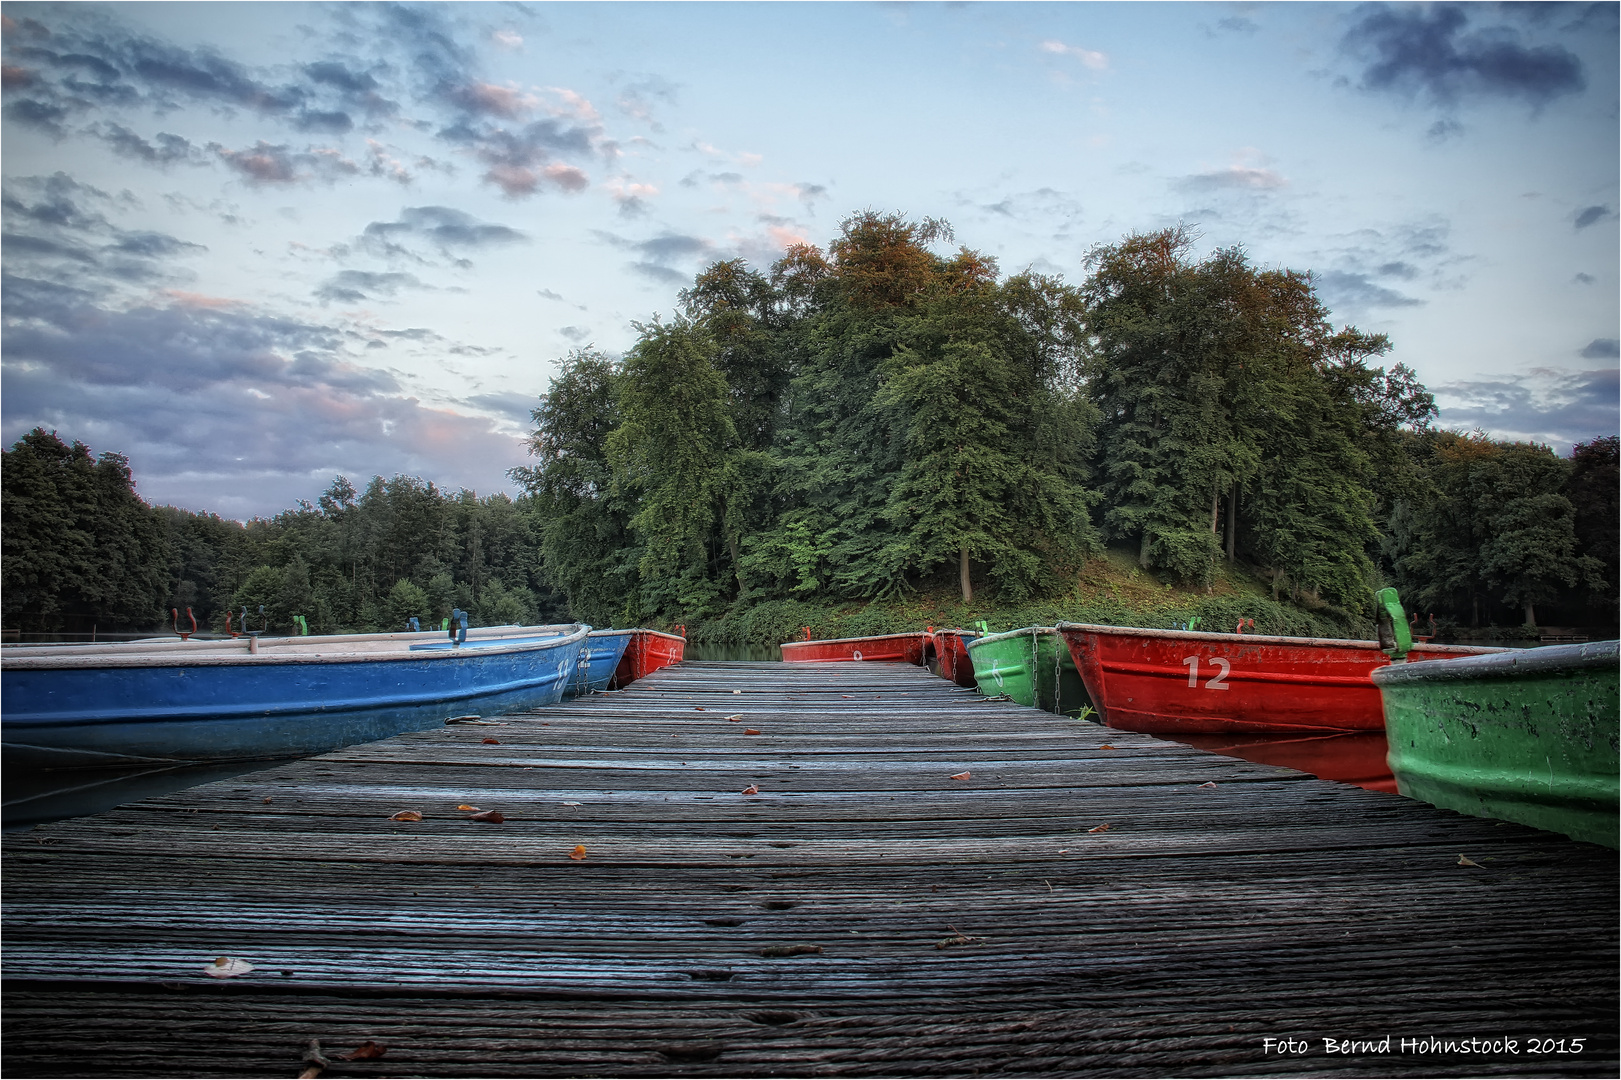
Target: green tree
[[81, 549], [669, 452], [581, 522]]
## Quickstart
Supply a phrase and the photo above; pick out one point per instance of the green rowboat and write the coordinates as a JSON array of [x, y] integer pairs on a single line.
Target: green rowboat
[[1527, 736], [1031, 666]]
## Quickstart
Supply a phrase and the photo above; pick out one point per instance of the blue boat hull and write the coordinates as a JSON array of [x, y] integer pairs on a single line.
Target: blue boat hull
[[54, 718], [598, 660]]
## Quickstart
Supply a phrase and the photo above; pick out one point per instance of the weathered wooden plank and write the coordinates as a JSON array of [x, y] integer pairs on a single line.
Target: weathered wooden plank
[[1201, 921]]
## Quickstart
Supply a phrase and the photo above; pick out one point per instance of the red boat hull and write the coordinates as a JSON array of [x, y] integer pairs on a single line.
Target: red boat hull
[[648, 651], [1170, 681], [951, 649], [895, 648]]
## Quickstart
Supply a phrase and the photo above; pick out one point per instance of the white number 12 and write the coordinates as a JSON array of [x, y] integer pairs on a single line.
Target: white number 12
[[1216, 683]]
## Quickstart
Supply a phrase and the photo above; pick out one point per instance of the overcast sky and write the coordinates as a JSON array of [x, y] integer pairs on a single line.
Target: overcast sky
[[252, 246]]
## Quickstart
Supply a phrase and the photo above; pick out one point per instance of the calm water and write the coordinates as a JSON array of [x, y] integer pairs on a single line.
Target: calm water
[[34, 796], [1353, 757]]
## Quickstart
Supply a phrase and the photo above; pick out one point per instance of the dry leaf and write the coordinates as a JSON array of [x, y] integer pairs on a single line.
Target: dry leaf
[[266, 799], [464, 806], [700, 708], [224, 967], [364, 1052], [492, 742], [407, 815], [1101, 828], [1208, 783], [735, 717], [752, 789], [1106, 746], [751, 731], [961, 775], [1464, 860], [791, 950], [494, 817], [578, 854]]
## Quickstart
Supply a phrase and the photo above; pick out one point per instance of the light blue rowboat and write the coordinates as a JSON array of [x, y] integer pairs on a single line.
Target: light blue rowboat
[[255, 698], [598, 661]]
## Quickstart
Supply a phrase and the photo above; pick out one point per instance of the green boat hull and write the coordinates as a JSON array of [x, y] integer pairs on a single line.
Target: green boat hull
[[1527, 736], [1031, 666]]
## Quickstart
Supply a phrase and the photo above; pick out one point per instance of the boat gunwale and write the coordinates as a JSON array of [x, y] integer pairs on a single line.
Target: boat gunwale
[[1276, 639], [1008, 635], [1545, 660], [277, 651]]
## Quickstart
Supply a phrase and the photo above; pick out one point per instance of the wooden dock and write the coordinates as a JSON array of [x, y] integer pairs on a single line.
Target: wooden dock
[[1084, 902]]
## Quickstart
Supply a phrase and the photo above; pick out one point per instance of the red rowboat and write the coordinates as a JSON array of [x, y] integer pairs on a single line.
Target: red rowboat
[[1169, 681], [648, 651], [951, 649], [906, 648]]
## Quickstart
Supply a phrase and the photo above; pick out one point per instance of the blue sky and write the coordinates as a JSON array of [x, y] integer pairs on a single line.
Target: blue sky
[[252, 246]]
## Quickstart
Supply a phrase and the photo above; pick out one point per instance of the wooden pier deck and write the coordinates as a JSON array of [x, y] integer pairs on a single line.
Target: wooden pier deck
[[1086, 902]]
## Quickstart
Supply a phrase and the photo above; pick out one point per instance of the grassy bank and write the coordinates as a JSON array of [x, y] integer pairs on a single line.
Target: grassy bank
[[1109, 589]]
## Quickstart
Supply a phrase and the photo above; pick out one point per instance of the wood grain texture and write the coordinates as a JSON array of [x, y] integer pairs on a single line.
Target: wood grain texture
[[965, 927]]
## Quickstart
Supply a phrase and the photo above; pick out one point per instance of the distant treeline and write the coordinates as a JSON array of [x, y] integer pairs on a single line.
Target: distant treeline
[[82, 551], [875, 419]]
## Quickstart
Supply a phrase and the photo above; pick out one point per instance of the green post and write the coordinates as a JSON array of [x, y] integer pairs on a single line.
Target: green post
[[1395, 639]]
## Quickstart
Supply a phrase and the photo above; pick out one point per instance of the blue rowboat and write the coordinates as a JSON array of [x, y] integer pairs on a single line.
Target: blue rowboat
[[252, 698], [598, 660]]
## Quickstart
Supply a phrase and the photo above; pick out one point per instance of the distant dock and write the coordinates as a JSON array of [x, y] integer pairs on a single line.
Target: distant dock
[[1083, 901]]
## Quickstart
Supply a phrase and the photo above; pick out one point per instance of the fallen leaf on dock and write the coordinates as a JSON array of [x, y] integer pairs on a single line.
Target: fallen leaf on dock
[[492, 742], [751, 731], [1464, 860], [752, 789], [790, 950], [494, 817], [578, 854], [961, 775], [1106, 746], [1101, 828], [406, 815], [735, 717], [1208, 783], [960, 938], [224, 967], [571, 804], [266, 799], [364, 1052], [464, 806], [700, 708]]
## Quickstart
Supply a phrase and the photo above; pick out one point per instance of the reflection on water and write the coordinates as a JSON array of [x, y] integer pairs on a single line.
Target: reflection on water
[[1351, 757], [695, 651], [35, 796]]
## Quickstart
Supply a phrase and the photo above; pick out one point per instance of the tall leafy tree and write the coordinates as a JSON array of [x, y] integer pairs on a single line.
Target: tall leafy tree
[[81, 549], [581, 520], [670, 452]]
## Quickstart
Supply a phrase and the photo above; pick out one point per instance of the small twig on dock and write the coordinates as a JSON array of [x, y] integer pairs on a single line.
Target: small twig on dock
[[315, 1060]]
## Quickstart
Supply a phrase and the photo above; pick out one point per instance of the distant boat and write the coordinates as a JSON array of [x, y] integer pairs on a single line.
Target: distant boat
[[1173, 681], [1528, 736], [646, 652], [257, 698], [898, 648], [599, 659], [1032, 666], [950, 648]]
